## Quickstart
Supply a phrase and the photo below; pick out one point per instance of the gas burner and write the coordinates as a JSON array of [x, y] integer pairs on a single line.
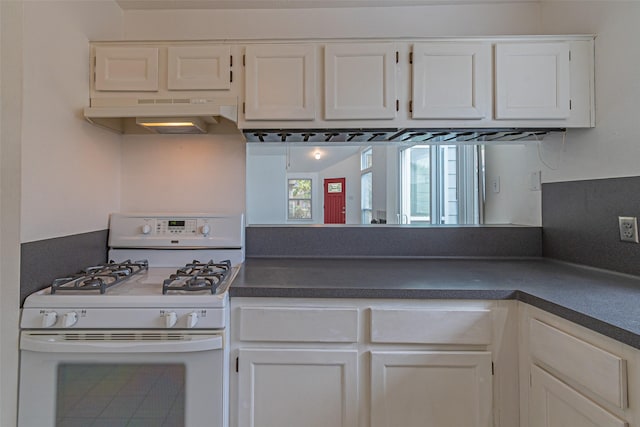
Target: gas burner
[[198, 276], [99, 277]]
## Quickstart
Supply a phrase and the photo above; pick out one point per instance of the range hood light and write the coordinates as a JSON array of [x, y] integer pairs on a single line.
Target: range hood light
[[173, 125]]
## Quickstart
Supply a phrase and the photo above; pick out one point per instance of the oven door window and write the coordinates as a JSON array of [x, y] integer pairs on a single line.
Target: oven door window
[[103, 394]]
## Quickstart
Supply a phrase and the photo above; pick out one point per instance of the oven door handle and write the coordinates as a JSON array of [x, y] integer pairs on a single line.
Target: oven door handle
[[59, 343]]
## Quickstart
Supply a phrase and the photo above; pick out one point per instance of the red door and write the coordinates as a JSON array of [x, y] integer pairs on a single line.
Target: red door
[[335, 207]]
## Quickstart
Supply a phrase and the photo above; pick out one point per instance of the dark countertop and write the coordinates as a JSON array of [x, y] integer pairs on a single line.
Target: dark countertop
[[606, 302]]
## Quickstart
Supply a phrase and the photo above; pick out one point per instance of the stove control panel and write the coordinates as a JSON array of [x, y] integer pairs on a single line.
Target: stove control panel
[[179, 230], [113, 318]]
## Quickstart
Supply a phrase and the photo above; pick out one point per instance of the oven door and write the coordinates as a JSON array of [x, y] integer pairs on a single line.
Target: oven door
[[119, 378]]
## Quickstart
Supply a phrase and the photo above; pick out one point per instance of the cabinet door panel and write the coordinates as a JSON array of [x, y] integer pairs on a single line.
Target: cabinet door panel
[[555, 404], [310, 388], [451, 80], [198, 67], [444, 389], [126, 69], [532, 80], [280, 82], [360, 81]]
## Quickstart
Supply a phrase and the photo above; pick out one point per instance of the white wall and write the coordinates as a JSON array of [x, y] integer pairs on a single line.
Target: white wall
[[435, 20], [515, 203], [201, 173], [612, 148], [70, 169], [10, 130], [266, 188]]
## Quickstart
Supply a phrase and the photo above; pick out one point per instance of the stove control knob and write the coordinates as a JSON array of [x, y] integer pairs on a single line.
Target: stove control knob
[[146, 229], [170, 319], [205, 230], [49, 319], [192, 319], [69, 319]]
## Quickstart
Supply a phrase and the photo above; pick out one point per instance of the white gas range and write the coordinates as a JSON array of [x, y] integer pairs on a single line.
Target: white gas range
[[152, 323]]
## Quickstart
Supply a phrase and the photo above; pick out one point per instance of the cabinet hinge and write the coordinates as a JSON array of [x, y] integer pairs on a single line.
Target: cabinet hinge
[[397, 56], [244, 60], [411, 106], [230, 60], [243, 108], [569, 104], [410, 57], [493, 369], [397, 105], [231, 76], [530, 380], [569, 55], [237, 364]]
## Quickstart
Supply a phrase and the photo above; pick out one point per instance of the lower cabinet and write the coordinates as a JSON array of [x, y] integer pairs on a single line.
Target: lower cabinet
[[444, 389], [574, 377], [306, 388], [553, 403], [339, 363]]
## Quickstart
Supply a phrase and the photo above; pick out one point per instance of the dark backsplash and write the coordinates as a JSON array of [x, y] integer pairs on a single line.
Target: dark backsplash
[[45, 260], [390, 241], [580, 222]]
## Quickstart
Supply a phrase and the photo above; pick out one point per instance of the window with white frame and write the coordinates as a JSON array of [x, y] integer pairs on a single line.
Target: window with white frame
[[299, 198], [440, 184], [366, 185]]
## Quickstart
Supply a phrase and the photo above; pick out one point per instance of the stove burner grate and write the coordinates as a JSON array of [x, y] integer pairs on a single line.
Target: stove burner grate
[[198, 276], [99, 277]]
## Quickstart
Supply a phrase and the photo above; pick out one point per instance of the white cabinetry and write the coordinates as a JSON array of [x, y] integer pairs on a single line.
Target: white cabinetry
[[291, 387], [199, 67], [553, 403], [532, 80], [126, 68], [371, 363], [451, 80], [158, 76], [438, 388], [360, 81], [571, 376], [280, 82]]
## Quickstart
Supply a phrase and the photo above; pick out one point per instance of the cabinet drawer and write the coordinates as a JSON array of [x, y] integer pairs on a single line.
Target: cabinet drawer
[[599, 371], [421, 326], [298, 324]]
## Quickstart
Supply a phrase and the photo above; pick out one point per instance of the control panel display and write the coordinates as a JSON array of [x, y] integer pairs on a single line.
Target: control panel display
[[176, 226]]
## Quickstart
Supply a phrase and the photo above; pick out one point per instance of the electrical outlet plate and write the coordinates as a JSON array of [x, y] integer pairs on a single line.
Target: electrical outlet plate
[[628, 226]]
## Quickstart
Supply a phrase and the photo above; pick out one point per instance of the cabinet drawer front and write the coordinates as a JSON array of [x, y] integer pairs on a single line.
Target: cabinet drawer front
[[431, 326], [298, 324], [599, 371]]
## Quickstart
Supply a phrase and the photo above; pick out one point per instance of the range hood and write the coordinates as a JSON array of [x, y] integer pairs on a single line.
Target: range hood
[[401, 136], [220, 117], [171, 118]]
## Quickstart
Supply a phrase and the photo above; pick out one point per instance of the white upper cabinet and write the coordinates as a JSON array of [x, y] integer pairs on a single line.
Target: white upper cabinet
[[451, 80], [126, 68], [280, 82], [532, 80], [360, 81], [199, 67]]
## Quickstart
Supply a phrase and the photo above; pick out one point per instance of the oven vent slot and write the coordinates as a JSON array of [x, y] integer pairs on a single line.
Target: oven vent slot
[[124, 336]]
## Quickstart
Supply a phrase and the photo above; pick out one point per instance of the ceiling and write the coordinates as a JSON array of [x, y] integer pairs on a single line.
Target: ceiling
[[286, 4], [301, 158]]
